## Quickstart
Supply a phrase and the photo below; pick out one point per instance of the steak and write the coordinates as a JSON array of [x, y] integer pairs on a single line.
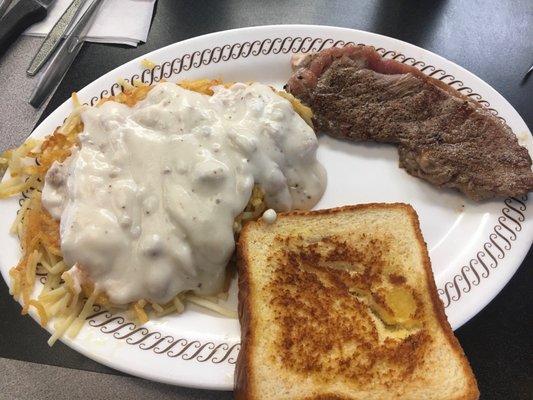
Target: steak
[[442, 136]]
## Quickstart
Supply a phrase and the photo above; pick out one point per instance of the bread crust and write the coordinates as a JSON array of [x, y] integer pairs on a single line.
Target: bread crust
[[438, 308], [243, 387], [243, 370]]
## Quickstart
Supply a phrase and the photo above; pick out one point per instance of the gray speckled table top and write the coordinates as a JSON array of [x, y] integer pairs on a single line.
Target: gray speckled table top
[[25, 380], [17, 116]]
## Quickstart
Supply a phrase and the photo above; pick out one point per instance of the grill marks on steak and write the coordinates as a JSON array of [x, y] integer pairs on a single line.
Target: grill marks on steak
[[442, 136]]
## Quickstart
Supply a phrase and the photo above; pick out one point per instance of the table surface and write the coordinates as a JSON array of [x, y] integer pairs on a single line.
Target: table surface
[[493, 39]]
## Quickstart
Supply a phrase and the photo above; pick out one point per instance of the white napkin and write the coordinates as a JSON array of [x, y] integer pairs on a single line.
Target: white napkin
[[117, 21]]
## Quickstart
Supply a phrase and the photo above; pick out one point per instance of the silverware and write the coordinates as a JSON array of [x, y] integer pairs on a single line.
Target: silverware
[[19, 17], [4, 5], [528, 71], [64, 56], [54, 37]]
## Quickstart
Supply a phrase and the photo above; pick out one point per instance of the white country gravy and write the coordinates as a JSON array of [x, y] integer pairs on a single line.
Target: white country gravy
[[147, 201]]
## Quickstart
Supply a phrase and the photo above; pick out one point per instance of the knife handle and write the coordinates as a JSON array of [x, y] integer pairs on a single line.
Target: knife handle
[[56, 70], [64, 56], [23, 14]]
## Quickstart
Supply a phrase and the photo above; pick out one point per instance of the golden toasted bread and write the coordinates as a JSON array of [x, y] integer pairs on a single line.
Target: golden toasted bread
[[341, 304]]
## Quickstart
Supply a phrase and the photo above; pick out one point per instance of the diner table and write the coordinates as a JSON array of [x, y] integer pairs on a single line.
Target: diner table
[[491, 38]]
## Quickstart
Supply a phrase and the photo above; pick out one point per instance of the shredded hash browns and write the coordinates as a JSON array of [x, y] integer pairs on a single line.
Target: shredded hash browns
[[59, 301]]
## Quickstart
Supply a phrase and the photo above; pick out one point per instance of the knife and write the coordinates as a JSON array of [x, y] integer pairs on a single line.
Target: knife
[[23, 14], [54, 37], [64, 56]]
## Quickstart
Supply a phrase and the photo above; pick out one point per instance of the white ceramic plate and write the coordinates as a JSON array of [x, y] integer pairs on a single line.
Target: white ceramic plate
[[474, 248]]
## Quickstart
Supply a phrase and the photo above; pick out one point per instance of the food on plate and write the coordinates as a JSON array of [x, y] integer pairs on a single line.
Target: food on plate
[[442, 136], [341, 303], [143, 194]]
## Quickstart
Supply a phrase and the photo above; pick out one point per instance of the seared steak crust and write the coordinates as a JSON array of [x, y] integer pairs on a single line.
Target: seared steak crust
[[442, 136]]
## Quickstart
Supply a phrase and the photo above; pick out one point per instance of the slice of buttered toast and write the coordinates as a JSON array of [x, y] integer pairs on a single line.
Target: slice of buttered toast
[[341, 304]]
